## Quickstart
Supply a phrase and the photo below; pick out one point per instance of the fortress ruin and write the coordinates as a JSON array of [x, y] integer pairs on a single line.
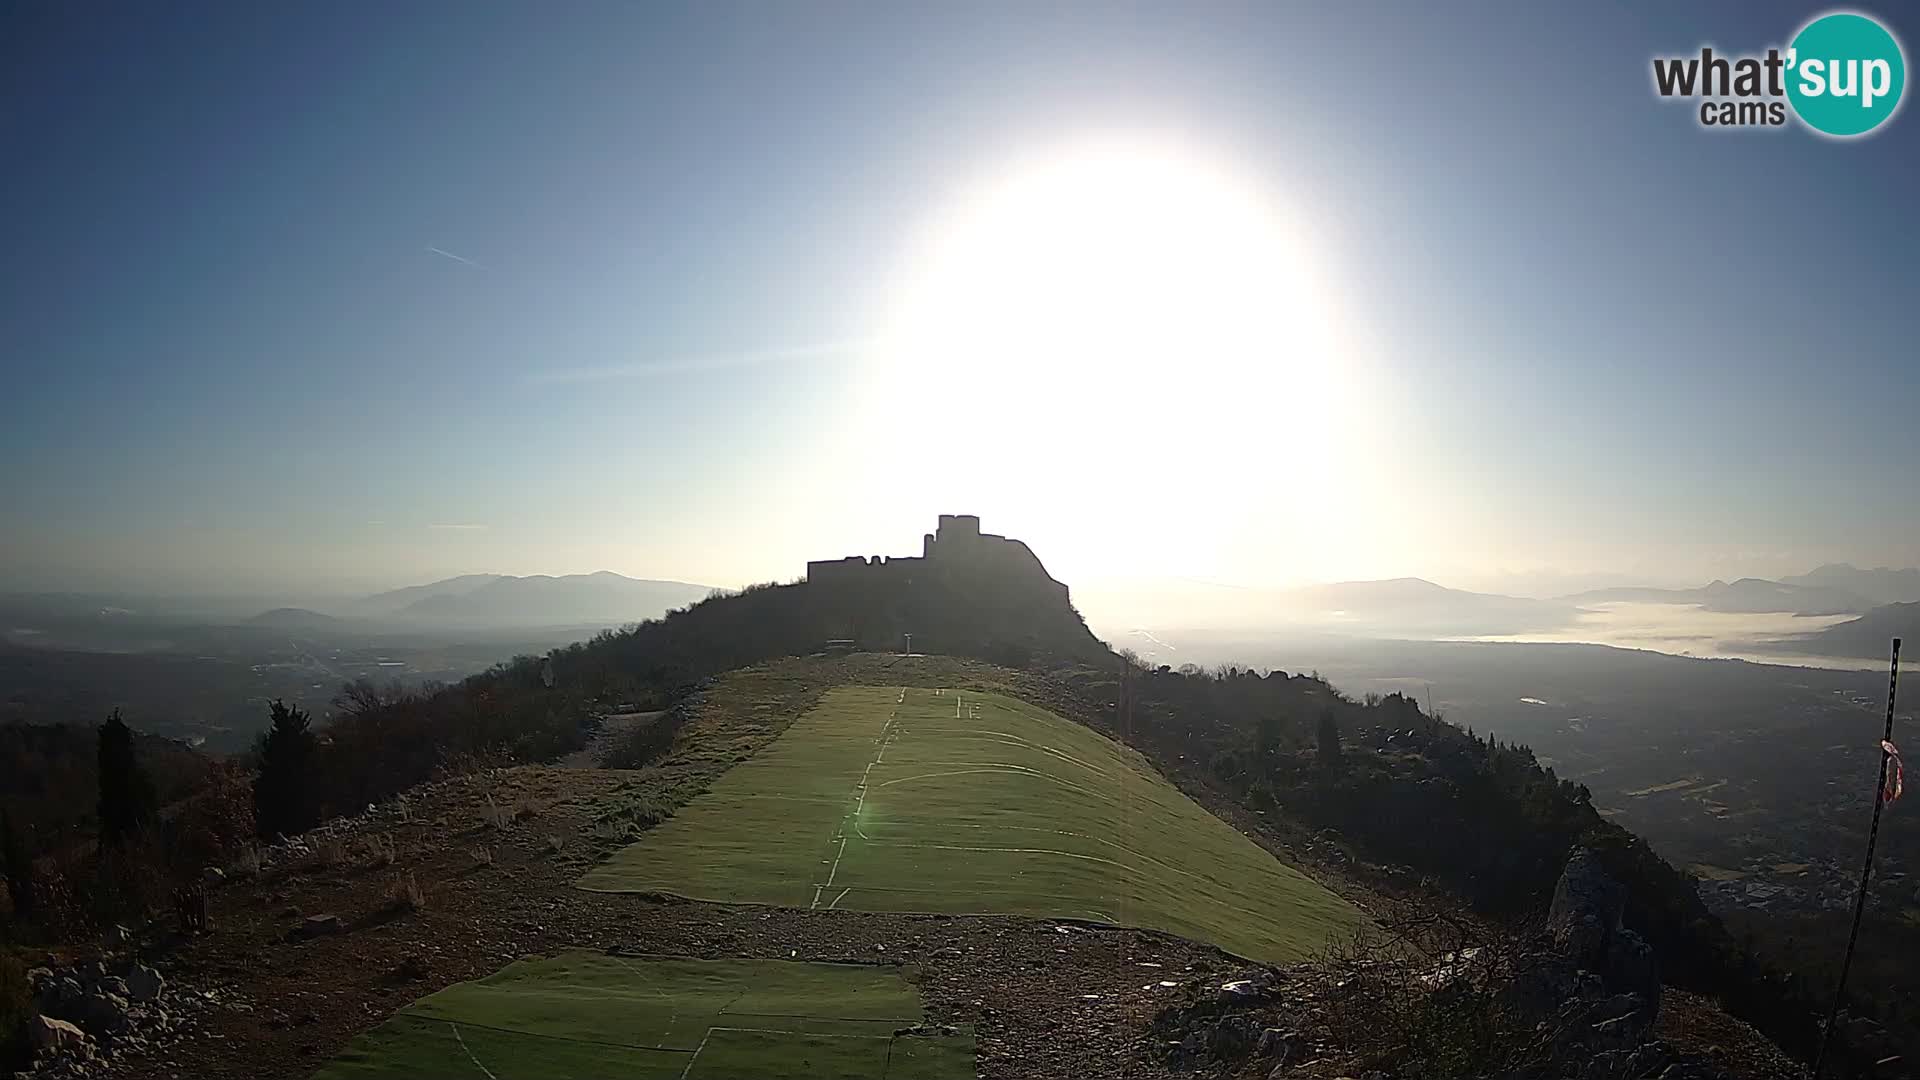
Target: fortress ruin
[[956, 549]]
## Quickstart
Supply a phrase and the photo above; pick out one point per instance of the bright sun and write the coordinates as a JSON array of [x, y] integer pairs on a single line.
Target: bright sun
[[1115, 306]]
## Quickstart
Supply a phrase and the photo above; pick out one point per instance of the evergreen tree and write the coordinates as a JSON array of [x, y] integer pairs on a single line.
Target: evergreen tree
[[282, 795], [18, 866], [1328, 744], [1267, 741], [127, 800]]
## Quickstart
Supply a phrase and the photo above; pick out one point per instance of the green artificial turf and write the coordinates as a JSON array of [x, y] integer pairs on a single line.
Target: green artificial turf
[[589, 1015], [883, 799]]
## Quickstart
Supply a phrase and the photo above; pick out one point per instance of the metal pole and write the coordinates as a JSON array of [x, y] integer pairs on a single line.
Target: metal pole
[[1866, 870]]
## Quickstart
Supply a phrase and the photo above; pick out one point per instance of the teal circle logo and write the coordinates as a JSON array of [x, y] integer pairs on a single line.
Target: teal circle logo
[[1845, 74]]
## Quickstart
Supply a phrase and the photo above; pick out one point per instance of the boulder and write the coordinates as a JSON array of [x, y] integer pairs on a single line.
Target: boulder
[[1585, 925], [1587, 908], [319, 926], [143, 983], [1630, 968], [1281, 1044], [50, 1035], [103, 1014], [1231, 1037], [61, 996]]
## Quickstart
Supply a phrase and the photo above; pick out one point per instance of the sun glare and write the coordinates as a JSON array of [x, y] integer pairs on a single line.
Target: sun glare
[[1113, 312]]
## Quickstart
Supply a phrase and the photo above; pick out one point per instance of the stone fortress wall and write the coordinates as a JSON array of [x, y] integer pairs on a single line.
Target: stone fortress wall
[[956, 548]]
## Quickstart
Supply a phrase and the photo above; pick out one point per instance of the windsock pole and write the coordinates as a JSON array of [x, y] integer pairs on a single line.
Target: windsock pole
[[1882, 795]]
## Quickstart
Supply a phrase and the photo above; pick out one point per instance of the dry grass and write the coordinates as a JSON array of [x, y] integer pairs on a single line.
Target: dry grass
[[381, 852], [330, 854], [482, 855], [247, 864], [406, 894], [495, 816], [556, 844]]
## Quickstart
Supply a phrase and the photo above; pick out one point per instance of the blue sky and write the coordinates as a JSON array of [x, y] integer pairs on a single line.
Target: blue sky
[[290, 292]]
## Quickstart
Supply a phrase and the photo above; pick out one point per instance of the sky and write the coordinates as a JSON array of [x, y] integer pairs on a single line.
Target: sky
[[303, 298]]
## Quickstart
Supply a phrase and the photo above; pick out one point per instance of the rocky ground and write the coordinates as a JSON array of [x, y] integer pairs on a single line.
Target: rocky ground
[[318, 939]]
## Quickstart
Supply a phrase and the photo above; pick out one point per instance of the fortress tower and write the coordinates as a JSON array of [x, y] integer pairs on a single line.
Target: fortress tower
[[956, 548]]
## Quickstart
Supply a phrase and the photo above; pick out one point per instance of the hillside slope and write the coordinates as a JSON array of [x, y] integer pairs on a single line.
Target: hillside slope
[[1867, 636], [959, 802]]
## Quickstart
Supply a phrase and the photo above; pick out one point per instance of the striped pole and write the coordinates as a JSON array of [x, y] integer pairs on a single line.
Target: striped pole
[[1866, 871]]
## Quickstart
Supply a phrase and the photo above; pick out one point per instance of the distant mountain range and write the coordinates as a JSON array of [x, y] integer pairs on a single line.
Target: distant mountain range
[[395, 601], [293, 618], [1866, 637], [1878, 586], [1747, 596], [1391, 608], [586, 598], [1418, 607]]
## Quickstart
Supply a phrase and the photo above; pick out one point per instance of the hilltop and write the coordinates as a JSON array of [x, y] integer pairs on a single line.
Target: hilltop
[[293, 618], [318, 939], [1882, 585], [1376, 801], [1746, 596], [1866, 636]]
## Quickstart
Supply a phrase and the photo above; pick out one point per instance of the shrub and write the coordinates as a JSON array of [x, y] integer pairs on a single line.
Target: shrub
[[248, 864], [16, 1005], [213, 826], [127, 798], [330, 854], [283, 804], [406, 894], [18, 866]]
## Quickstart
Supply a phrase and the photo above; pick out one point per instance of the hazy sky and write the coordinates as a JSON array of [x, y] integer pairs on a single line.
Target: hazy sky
[[349, 295]]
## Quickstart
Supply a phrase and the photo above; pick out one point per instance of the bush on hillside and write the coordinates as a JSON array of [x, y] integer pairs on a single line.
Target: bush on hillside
[[282, 803], [16, 1005], [128, 801], [17, 865]]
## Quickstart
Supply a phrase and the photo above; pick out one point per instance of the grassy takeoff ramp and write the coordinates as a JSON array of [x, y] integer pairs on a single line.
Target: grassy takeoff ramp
[[884, 799], [592, 1016]]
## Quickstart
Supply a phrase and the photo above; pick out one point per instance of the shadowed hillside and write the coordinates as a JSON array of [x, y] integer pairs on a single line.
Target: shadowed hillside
[[1275, 753]]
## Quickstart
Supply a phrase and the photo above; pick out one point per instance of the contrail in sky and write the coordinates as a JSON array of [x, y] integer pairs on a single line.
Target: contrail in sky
[[451, 255]]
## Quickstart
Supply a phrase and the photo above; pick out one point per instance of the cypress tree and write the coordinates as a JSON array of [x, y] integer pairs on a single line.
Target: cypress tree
[[18, 866], [127, 800], [282, 799], [1328, 749]]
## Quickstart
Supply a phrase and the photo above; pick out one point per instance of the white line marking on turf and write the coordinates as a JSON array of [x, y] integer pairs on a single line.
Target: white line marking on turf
[[808, 1034], [463, 1045], [696, 1052], [887, 734], [837, 899], [996, 769]]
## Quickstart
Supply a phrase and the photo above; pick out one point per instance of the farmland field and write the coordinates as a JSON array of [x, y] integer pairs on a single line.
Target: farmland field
[[593, 1015], [891, 799]]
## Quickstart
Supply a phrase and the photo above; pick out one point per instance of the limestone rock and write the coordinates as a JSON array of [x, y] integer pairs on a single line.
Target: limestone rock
[[47, 1034], [143, 983]]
